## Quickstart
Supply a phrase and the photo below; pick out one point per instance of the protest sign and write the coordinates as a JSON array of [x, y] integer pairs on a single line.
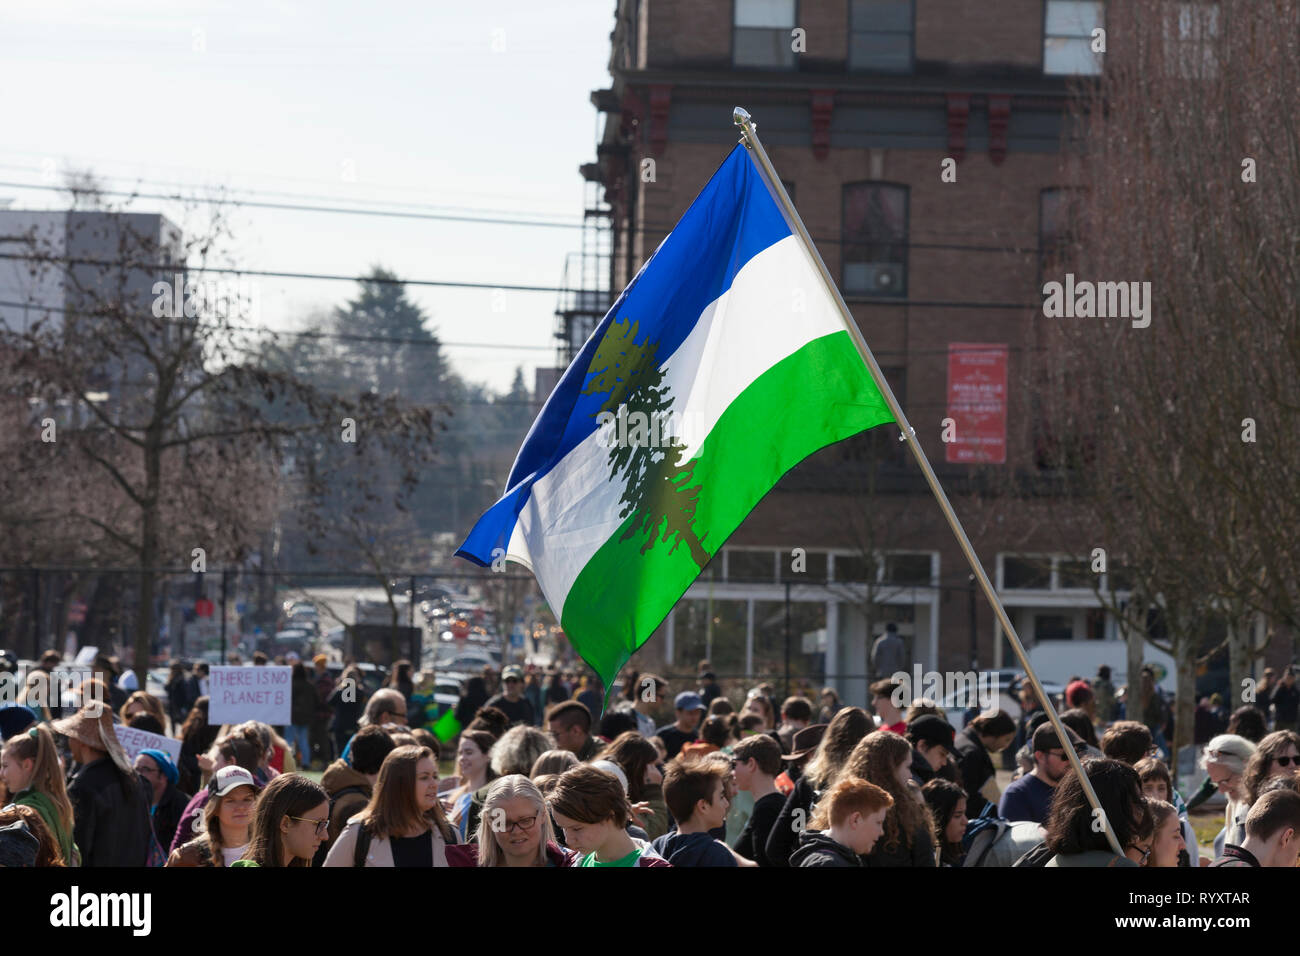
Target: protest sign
[[133, 741], [249, 693]]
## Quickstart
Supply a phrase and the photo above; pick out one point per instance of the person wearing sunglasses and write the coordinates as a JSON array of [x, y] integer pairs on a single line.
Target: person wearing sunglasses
[[515, 827], [1278, 755], [404, 824], [1225, 760], [293, 818], [1030, 797]]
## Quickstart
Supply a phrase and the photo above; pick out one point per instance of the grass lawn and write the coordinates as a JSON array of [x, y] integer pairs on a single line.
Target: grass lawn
[[1207, 826]]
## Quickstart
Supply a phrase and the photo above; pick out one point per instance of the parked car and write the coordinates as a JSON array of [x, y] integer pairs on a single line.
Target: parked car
[[955, 704]]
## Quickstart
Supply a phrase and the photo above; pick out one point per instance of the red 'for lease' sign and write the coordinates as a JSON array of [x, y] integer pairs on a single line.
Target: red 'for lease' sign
[[977, 404]]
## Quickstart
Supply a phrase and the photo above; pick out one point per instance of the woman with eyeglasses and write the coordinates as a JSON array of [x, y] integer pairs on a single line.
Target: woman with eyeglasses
[[1224, 761], [293, 818], [227, 817], [403, 825], [515, 826]]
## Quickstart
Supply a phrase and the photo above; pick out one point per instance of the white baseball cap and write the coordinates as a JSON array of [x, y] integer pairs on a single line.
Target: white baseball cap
[[229, 778]]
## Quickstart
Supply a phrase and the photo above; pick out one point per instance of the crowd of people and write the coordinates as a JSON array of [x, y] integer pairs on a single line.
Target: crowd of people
[[551, 779]]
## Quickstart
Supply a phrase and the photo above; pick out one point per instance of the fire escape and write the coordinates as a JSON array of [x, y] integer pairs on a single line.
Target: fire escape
[[584, 291]]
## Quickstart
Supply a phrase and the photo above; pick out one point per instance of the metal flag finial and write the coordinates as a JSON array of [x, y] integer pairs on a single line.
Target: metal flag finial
[[740, 116]]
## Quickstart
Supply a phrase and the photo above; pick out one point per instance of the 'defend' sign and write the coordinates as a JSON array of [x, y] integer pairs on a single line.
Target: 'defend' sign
[[237, 694], [133, 740]]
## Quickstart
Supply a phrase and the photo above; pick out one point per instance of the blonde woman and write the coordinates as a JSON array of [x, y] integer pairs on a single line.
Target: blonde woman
[[515, 826], [29, 766]]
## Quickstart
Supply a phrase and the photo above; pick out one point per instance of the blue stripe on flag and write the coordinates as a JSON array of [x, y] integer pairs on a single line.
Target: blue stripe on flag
[[733, 219]]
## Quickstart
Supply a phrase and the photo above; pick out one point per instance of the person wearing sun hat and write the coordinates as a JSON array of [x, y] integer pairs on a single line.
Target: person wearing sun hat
[[110, 802]]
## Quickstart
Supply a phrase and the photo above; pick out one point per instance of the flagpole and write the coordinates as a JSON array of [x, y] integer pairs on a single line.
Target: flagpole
[[750, 137]]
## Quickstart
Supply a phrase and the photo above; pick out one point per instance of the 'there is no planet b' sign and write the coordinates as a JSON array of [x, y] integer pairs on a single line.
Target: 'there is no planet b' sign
[[249, 693]]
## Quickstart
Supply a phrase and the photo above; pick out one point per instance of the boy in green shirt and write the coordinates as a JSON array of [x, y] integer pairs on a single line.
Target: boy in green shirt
[[591, 809]]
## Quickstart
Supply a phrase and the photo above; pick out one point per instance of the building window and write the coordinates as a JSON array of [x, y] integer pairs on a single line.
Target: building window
[[1075, 575], [1191, 41], [908, 569], [875, 239], [1019, 573], [1053, 627], [1053, 237], [761, 34], [880, 35], [750, 566], [855, 568], [1067, 37]]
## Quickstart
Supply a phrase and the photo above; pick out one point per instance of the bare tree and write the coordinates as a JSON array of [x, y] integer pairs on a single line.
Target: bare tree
[[1177, 437], [181, 425]]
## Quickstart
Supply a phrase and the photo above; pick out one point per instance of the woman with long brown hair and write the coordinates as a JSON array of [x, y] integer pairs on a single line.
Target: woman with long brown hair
[[403, 825], [847, 727], [29, 765], [885, 759], [293, 817], [234, 749], [227, 819]]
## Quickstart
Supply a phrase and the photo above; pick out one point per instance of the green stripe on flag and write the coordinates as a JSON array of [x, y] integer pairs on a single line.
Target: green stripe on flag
[[815, 397]]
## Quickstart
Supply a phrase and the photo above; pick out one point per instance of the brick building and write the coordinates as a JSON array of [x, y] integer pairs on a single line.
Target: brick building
[[859, 103]]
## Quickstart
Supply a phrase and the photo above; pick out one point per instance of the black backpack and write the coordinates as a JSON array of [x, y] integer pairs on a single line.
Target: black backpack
[[363, 845]]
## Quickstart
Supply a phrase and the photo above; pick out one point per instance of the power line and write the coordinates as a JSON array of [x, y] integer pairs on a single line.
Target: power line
[[271, 274], [399, 204], [341, 336], [645, 227], [402, 340], [339, 210], [442, 283]]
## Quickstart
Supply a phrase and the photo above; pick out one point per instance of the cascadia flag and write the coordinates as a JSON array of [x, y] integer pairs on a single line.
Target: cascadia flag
[[722, 365]]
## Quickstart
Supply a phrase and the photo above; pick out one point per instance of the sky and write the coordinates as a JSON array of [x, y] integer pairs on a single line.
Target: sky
[[472, 109]]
